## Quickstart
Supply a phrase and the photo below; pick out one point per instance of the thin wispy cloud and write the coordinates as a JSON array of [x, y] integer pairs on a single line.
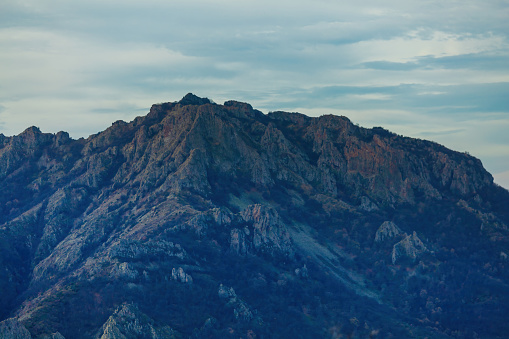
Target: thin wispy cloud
[[431, 69]]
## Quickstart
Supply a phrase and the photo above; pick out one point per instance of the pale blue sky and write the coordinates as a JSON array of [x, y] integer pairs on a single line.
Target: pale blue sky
[[435, 70]]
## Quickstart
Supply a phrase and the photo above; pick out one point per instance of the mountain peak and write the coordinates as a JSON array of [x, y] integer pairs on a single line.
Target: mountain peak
[[102, 237], [191, 99], [32, 130]]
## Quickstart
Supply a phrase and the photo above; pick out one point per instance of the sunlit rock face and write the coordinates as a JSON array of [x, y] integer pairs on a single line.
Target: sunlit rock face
[[206, 220]]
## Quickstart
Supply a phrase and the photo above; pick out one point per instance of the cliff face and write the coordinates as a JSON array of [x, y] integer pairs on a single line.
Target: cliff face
[[157, 214]]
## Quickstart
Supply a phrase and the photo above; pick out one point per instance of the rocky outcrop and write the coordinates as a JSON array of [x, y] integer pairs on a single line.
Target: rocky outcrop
[[128, 322], [241, 310], [125, 271], [367, 205], [239, 241], [409, 248], [387, 230], [269, 233], [178, 274], [262, 231], [135, 250], [191, 99], [11, 328], [228, 194], [201, 222]]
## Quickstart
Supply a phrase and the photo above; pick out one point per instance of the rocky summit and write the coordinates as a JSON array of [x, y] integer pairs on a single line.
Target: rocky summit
[[202, 220]]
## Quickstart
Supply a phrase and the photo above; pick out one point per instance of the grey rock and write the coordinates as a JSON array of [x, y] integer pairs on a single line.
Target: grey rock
[[180, 275], [124, 270], [269, 232], [367, 205], [238, 241], [386, 231], [128, 322], [226, 292], [88, 212], [411, 247], [242, 312], [12, 329], [136, 250], [201, 222], [241, 309]]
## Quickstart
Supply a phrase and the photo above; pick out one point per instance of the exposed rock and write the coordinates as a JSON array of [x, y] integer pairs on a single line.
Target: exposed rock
[[241, 310], [269, 232], [180, 275], [265, 232], [135, 250], [238, 241], [87, 224], [192, 174], [58, 218], [411, 247], [221, 216], [367, 205], [215, 216], [386, 231], [124, 270], [302, 272], [191, 99], [226, 292], [128, 322], [13, 329]]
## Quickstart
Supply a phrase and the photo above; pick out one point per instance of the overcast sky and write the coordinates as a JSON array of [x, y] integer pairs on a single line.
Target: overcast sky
[[436, 70]]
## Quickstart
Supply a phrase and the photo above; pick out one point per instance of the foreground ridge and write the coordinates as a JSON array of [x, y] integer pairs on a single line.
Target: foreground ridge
[[208, 220]]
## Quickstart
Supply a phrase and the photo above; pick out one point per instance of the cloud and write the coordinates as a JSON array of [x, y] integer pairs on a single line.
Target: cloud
[[415, 44], [459, 101], [502, 179], [477, 61], [435, 133], [390, 66]]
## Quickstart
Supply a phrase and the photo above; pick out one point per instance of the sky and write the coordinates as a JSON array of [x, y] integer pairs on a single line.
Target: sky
[[436, 70]]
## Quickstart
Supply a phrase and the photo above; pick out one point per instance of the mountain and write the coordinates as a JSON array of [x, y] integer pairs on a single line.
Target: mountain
[[205, 220]]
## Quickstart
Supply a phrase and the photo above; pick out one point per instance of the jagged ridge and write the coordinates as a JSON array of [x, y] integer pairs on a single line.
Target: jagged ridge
[[195, 187]]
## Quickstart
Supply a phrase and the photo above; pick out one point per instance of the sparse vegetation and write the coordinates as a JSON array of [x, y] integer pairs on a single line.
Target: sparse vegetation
[[273, 218]]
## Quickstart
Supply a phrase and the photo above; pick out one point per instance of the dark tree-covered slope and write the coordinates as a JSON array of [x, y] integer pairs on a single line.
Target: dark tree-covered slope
[[205, 220]]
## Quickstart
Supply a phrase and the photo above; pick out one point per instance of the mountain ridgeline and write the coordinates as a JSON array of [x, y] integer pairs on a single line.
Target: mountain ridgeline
[[205, 220]]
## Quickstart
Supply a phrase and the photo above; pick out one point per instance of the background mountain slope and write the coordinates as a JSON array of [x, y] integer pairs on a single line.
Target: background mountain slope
[[206, 220]]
